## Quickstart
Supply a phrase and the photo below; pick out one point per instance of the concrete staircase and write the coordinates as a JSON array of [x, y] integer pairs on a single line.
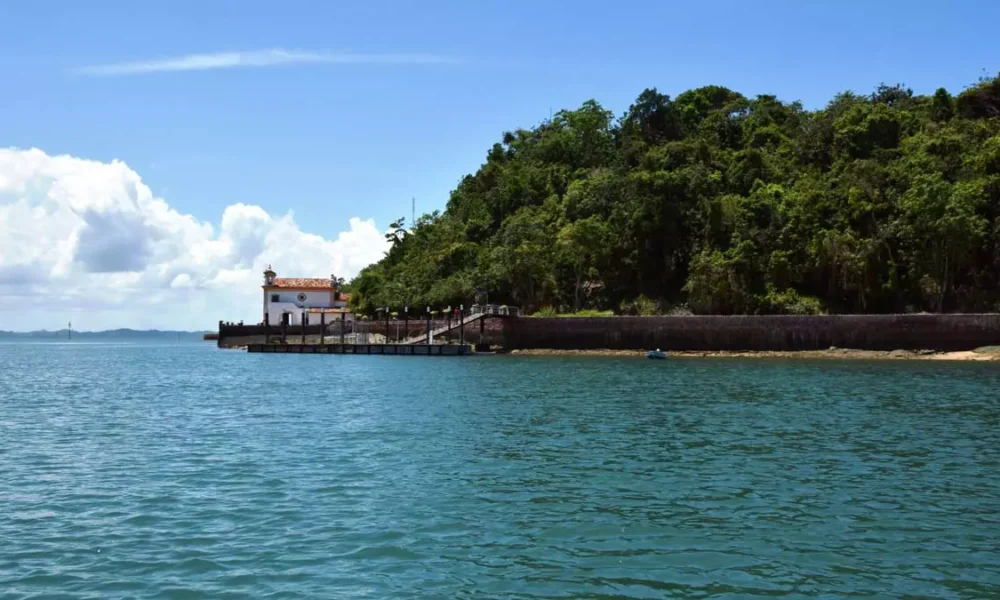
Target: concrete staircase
[[456, 324]]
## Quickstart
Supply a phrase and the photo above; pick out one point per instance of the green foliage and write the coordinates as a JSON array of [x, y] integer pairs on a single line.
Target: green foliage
[[981, 101], [548, 311], [592, 313], [789, 302], [942, 106], [642, 306], [719, 203]]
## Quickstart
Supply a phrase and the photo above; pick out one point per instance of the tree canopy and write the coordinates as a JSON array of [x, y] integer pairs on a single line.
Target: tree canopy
[[721, 204]]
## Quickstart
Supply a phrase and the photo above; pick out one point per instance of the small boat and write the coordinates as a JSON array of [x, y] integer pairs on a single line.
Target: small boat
[[656, 354]]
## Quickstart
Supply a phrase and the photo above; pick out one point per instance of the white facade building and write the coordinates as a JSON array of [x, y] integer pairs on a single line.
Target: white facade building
[[295, 300]]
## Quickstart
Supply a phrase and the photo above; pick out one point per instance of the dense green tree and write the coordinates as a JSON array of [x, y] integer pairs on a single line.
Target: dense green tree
[[584, 246], [720, 203]]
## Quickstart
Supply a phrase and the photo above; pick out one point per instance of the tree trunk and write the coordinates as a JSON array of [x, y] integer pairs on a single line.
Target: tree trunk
[[576, 291], [944, 284]]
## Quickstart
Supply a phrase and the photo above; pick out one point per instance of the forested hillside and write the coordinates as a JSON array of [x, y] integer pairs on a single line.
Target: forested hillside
[[717, 203]]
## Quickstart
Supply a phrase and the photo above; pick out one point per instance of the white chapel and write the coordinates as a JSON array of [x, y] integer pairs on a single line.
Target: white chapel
[[297, 300]]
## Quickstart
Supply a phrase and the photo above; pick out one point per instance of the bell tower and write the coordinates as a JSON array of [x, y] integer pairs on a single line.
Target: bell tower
[[269, 275]]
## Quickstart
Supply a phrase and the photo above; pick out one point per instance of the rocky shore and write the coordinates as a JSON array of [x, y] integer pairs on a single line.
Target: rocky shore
[[989, 353]]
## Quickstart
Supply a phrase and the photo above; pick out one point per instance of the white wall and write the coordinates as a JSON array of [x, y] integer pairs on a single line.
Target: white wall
[[288, 301], [314, 299], [295, 315]]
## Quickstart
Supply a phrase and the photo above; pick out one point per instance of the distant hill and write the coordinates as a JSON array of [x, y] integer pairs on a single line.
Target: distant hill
[[112, 334]]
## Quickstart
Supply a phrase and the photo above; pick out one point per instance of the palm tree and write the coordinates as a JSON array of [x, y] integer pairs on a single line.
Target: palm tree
[[397, 231]]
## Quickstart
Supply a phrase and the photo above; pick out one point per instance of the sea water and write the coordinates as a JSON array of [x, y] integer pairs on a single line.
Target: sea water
[[182, 471]]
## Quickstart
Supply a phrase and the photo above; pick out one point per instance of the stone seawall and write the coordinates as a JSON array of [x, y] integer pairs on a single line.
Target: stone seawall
[[756, 333], [694, 333]]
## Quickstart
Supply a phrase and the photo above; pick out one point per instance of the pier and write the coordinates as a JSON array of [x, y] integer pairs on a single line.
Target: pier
[[487, 328], [435, 333], [388, 349]]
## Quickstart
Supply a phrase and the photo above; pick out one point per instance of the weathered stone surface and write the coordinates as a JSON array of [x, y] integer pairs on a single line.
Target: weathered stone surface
[[757, 333]]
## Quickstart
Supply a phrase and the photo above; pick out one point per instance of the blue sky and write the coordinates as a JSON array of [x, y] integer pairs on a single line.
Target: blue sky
[[231, 116], [332, 141]]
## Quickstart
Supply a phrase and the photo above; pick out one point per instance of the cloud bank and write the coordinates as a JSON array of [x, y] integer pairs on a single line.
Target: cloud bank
[[259, 58], [88, 241]]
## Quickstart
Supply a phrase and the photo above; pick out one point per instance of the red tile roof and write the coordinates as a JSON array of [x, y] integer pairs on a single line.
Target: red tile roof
[[303, 282]]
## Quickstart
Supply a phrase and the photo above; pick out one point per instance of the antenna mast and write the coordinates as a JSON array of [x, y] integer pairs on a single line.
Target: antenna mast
[[69, 331], [413, 212]]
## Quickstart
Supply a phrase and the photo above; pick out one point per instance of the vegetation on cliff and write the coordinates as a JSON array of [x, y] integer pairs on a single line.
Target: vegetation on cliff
[[718, 203]]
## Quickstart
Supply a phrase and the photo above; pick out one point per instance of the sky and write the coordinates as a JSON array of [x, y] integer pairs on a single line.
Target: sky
[[156, 156]]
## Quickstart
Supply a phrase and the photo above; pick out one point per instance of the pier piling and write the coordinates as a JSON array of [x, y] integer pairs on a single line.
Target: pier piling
[[391, 349]]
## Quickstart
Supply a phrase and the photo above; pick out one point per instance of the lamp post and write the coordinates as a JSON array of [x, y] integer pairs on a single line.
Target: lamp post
[[461, 324], [482, 326], [376, 320], [428, 326]]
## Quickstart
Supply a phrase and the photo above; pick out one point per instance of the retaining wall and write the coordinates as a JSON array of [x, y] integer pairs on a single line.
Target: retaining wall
[[781, 333]]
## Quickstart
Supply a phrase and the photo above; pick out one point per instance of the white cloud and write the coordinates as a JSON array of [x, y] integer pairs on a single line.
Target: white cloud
[[88, 241], [259, 58]]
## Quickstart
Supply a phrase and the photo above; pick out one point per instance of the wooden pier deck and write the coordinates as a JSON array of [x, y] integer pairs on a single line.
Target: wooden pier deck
[[389, 349]]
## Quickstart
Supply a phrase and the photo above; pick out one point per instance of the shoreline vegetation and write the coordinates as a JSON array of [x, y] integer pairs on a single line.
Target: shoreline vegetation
[[984, 354], [716, 203]]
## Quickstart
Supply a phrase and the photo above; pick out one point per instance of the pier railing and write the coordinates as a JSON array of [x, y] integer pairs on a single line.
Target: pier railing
[[476, 323], [496, 310]]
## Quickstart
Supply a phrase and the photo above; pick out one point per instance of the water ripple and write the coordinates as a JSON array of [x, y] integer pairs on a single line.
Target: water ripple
[[181, 471]]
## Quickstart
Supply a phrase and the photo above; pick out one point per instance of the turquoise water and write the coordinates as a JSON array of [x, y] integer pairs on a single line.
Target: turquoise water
[[182, 471]]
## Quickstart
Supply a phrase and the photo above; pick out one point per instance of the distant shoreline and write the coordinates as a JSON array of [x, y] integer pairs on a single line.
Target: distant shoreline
[[107, 333], [986, 354]]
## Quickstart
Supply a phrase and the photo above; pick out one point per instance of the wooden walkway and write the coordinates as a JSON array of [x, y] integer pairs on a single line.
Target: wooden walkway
[[389, 349]]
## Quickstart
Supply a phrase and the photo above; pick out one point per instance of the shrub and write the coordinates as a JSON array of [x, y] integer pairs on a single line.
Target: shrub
[[548, 311], [789, 302], [641, 306]]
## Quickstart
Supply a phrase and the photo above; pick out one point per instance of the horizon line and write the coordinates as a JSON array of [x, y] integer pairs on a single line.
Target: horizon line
[[86, 331]]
